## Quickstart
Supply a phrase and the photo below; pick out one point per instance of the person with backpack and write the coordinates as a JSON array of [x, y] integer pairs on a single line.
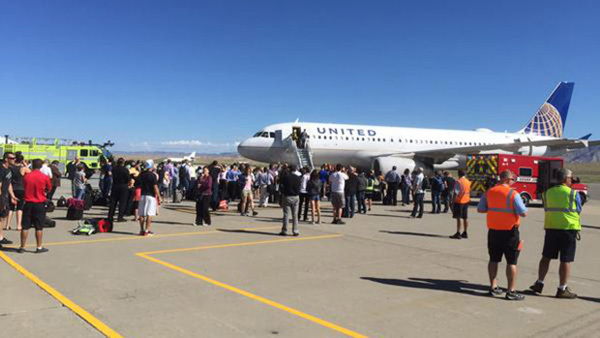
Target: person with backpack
[[437, 186]]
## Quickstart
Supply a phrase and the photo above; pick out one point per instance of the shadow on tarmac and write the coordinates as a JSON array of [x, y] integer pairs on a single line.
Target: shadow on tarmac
[[241, 231], [590, 227], [382, 215], [458, 286], [409, 233]]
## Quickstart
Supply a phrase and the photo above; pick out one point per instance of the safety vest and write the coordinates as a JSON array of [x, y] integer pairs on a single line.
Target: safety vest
[[371, 184], [464, 194], [501, 212], [560, 206]]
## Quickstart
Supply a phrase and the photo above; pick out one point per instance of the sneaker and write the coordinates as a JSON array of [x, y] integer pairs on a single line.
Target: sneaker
[[142, 233], [41, 250], [565, 294], [340, 222], [20, 250], [282, 233], [121, 220], [537, 287], [456, 236], [335, 221], [254, 213], [296, 234], [495, 291], [513, 295], [148, 233], [5, 241], [464, 235]]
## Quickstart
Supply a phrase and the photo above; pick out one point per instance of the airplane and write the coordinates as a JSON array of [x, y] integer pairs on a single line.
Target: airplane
[[189, 158], [380, 148]]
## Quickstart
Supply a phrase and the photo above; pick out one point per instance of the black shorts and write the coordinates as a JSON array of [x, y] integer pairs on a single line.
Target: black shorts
[[34, 215], [504, 243], [460, 210], [560, 241], [4, 206], [20, 194]]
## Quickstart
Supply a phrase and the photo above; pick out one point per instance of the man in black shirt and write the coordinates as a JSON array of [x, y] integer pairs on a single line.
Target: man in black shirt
[[120, 190], [290, 189], [148, 207], [350, 190], [447, 192], [6, 195]]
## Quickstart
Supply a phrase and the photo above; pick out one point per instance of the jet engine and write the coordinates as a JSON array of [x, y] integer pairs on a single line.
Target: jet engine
[[382, 165]]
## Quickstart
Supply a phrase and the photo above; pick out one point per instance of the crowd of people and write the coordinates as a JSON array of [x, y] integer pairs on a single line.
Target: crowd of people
[[139, 187]]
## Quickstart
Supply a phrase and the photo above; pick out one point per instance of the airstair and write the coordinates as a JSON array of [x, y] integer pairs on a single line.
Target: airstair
[[304, 158]]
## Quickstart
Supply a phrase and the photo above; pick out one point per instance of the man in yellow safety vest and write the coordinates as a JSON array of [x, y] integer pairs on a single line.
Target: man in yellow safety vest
[[562, 206]]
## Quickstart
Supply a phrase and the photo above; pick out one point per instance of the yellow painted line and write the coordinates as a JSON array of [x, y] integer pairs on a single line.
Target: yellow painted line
[[95, 322], [247, 294], [135, 237], [220, 246]]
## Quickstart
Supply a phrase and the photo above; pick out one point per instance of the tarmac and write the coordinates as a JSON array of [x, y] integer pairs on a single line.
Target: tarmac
[[382, 274]]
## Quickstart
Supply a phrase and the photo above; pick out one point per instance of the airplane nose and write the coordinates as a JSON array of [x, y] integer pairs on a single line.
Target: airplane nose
[[242, 148]]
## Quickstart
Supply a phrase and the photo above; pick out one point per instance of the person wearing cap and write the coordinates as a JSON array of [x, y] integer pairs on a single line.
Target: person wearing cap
[[504, 208], [460, 208], [562, 222], [150, 197]]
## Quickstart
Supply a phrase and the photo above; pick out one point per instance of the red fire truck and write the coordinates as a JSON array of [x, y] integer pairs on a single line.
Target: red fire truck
[[534, 174]]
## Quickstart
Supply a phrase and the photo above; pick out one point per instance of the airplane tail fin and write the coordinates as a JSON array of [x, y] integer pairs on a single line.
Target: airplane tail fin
[[192, 155], [551, 117]]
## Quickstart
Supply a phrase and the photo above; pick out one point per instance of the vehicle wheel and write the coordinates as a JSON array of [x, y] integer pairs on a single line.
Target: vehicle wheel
[[525, 199]]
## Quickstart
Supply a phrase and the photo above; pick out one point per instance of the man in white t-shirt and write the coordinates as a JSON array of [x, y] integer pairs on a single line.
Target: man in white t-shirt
[[337, 181], [46, 169]]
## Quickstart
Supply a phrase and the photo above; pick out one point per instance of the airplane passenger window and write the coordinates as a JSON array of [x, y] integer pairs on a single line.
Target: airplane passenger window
[[363, 138], [383, 140], [346, 138], [331, 137]]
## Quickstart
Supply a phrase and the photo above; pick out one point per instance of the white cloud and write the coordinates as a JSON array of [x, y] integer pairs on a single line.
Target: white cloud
[[185, 145]]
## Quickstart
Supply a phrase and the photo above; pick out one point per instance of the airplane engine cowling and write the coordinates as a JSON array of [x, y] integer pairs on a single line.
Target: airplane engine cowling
[[382, 165]]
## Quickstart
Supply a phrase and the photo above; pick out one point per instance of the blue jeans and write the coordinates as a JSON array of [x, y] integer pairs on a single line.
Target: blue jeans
[[79, 193], [362, 207], [350, 204], [435, 202]]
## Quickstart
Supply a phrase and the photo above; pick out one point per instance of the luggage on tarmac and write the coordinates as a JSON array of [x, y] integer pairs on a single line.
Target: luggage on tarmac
[[88, 197], [50, 206], [223, 206], [75, 209], [91, 226], [61, 202], [49, 223]]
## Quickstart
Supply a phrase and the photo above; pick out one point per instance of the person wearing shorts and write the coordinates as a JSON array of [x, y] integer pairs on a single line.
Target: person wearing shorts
[[150, 197], [504, 208], [6, 196], [337, 182], [460, 208], [36, 185], [562, 223]]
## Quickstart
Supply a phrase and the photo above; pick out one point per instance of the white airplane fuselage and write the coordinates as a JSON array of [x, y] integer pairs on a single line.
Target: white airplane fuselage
[[359, 145]]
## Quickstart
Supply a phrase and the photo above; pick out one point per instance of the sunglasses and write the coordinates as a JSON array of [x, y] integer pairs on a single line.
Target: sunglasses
[[11, 158]]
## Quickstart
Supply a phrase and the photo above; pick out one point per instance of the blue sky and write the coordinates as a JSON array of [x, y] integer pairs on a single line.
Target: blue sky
[[202, 75]]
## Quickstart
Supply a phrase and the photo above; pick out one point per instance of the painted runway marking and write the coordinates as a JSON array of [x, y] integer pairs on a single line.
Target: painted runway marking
[[137, 237], [95, 322], [324, 323]]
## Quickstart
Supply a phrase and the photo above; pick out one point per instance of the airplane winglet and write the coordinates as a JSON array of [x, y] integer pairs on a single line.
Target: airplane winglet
[[586, 137]]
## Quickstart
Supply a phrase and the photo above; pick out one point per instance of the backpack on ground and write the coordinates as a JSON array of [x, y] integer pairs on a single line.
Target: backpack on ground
[[49, 223], [61, 202], [49, 207], [223, 206], [84, 228], [75, 209]]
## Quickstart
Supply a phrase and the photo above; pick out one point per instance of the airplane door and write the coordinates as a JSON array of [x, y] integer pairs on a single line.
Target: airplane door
[[278, 138]]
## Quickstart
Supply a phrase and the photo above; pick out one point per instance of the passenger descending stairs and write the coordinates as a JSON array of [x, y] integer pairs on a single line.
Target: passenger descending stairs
[[305, 158]]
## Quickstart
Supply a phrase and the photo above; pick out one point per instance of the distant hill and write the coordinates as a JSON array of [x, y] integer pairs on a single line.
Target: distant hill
[[585, 155]]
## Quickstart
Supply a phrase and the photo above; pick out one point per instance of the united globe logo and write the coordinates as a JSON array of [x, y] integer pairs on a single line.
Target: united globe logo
[[547, 122]]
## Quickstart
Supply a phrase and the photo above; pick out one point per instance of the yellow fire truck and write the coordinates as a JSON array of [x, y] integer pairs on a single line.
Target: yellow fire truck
[[64, 151]]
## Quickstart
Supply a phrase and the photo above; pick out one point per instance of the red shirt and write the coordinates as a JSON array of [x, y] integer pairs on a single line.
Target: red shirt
[[36, 184]]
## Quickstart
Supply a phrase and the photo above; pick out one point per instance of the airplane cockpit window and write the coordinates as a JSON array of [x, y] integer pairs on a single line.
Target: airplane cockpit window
[[264, 134], [271, 134], [257, 134]]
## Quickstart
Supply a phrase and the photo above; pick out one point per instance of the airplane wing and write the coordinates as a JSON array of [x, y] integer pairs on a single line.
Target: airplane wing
[[438, 156]]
